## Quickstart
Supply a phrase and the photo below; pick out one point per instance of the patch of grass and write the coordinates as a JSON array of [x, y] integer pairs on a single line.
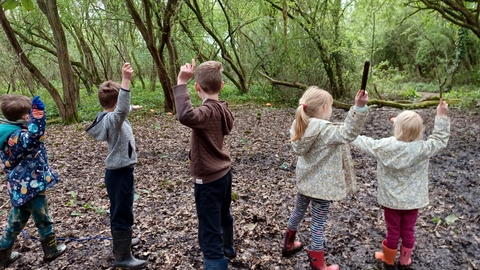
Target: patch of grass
[[469, 95]]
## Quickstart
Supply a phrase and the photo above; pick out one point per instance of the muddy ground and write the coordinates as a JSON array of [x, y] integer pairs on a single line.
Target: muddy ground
[[264, 182]]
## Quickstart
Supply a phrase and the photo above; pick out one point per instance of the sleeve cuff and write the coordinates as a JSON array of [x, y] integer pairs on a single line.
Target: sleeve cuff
[[361, 110]]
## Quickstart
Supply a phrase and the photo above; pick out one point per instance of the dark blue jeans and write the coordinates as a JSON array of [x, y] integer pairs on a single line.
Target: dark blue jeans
[[38, 209], [120, 189], [212, 201]]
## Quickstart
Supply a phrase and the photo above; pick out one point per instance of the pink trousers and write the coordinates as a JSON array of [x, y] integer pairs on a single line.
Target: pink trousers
[[400, 224]]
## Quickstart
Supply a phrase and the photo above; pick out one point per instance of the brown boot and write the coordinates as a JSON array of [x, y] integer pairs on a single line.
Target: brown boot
[[387, 256], [290, 246], [317, 261]]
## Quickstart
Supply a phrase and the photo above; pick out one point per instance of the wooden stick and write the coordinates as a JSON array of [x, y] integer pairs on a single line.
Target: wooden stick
[[366, 67], [121, 55], [199, 51]]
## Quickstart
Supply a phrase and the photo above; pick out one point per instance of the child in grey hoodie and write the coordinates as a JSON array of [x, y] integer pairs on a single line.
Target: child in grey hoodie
[[112, 126]]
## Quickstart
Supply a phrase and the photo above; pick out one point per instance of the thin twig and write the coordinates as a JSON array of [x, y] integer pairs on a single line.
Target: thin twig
[[199, 51], [121, 55], [4, 204]]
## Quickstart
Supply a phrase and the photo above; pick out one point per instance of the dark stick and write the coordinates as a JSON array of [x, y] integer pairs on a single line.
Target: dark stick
[[199, 51], [121, 55], [366, 67]]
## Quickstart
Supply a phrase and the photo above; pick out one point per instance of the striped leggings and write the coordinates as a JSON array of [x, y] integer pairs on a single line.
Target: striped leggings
[[319, 217]]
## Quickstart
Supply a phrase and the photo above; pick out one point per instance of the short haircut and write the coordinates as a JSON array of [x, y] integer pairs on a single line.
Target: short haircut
[[15, 107], [408, 127], [208, 75], [108, 94]]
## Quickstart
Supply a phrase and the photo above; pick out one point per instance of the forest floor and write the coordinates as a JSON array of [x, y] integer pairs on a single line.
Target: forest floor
[[447, 231]]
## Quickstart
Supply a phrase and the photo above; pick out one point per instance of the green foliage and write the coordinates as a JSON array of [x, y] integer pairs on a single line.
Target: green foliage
[[12, 4], [73, 200], [89, 106], [469, 96], [262, 94], [234, 196]]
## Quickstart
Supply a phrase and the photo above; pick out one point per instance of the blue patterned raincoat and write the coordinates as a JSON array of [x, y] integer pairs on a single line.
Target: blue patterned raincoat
[[24, 158]]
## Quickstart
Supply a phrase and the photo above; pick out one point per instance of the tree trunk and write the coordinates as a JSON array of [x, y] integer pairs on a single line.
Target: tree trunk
[[147, 30], [30, 66], [70, 93]]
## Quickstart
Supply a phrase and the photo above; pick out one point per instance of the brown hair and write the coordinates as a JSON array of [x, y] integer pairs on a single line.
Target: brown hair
[[408, 126], [15, 107], [208, 75], [108, 94], [313, 99]]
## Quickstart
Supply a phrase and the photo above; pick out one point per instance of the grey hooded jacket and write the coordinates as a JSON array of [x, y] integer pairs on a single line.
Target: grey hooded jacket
[[114, 128]]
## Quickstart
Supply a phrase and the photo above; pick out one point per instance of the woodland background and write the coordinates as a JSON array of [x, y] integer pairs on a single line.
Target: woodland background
[[271, 50], [67, 48]]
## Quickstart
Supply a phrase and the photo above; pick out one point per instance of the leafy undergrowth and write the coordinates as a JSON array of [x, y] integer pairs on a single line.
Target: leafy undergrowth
[[264, 184]]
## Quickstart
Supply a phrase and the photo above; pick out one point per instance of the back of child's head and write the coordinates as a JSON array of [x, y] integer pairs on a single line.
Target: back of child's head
[[408, 126], [15, 107], [108, 94], [311, 101], [208, 75]]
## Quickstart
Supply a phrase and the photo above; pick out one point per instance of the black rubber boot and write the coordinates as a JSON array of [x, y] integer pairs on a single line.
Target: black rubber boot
[[228, 248], [50, 248], [135, 241], [122, 241], [7, 256]]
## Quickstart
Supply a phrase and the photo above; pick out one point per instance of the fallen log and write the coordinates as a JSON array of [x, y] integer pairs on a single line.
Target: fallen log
[[431, 102]]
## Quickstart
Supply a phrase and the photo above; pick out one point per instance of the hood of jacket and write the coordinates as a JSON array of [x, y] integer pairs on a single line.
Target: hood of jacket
[[7, 128], [96, 129], [303, 145], [221, 107], [400, 155]]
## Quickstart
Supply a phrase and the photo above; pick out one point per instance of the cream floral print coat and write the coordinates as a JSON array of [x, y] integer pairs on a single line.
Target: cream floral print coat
[[402, 167], [322, 152]]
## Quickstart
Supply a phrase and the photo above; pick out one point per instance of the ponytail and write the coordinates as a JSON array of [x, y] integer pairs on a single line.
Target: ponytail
[[301, 123]]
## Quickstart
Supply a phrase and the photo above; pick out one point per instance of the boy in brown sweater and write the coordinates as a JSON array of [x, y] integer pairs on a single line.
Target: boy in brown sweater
[[209, 159]]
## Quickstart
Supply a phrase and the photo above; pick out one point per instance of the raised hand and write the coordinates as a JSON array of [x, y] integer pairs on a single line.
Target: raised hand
[[361, 99], [442, 108], [127, 71], [186, 72], [37, 103]]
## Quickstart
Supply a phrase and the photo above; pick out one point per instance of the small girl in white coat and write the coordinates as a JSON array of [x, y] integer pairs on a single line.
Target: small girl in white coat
[[320, 172], [402, 174]]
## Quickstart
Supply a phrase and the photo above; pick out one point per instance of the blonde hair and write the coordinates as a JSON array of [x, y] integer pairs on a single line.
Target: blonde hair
[[408, 127], [208, 75], [15, 107], [313, 99], [108, 94]]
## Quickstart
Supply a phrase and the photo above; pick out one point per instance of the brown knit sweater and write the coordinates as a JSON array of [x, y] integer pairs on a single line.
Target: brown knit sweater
[[210, 122]]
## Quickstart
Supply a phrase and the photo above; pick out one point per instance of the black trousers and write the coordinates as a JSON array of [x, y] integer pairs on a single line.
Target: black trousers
[[212, 202], [120, 189]]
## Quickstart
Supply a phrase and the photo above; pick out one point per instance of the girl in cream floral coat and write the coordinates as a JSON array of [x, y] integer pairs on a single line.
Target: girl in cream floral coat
[[402, 173], [321, 172]]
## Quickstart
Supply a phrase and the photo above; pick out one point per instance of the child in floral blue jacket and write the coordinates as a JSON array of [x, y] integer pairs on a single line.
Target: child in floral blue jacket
[[24, 157]]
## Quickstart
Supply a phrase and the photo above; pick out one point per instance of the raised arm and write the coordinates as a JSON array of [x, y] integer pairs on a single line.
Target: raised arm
[[37, 123], [441, 131], [123, 103]]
